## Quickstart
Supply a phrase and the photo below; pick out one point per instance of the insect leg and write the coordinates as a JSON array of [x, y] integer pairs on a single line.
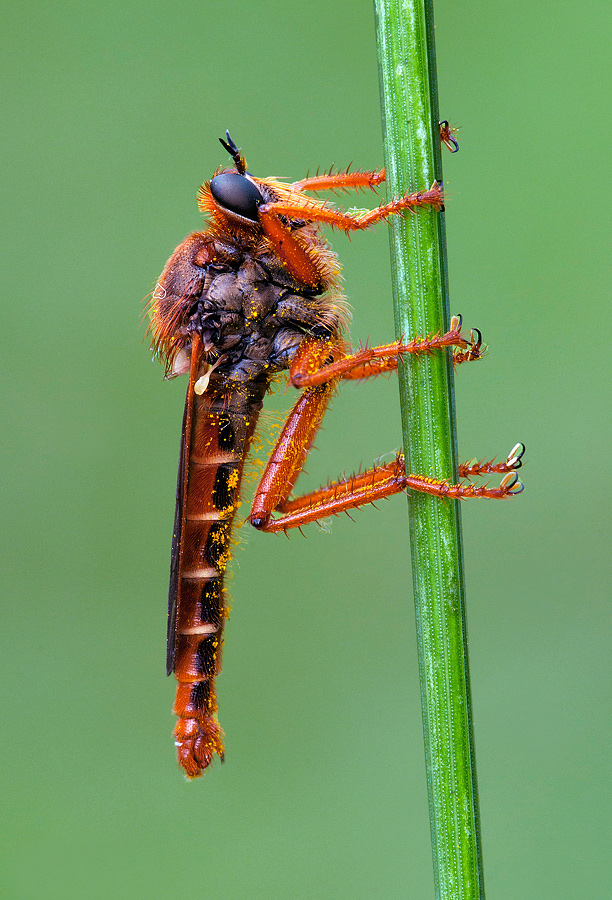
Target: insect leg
[[375, 484], [330, 181], [371, 361], [347, 221], [288, 247], [337, 497], [295, 440], [289, 454], [341, 181]]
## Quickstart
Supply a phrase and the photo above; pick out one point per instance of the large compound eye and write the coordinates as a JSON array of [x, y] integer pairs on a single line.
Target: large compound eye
[[237, 194]]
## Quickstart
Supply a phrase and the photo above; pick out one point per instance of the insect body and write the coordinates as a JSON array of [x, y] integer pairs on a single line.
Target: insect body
[[254, 294]]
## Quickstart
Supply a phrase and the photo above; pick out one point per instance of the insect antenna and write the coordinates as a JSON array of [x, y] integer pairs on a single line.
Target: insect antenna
[[234, 152]]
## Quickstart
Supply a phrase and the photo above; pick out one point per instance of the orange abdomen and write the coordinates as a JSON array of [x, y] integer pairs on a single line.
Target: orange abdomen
[[222, 424]]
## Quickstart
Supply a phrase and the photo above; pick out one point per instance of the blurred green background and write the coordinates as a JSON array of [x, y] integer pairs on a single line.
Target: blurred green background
[[112, 113]]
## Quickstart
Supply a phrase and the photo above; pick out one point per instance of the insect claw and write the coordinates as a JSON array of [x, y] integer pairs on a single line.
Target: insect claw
[[510, 484], [515, 457], [456, 322], [446, 136]]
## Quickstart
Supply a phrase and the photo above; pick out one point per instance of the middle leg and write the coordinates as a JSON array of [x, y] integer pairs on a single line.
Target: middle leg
[[310, 370]]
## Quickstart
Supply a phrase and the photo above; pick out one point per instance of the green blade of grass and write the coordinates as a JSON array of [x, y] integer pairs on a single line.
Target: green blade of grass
[[409, 103]]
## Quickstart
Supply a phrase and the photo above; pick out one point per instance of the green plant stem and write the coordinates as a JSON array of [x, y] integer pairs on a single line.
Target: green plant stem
[[409, 103]]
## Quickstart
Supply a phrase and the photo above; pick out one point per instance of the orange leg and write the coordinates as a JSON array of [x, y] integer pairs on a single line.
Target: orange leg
[[333, 181], [351, 221], [294, 254], [295, 440], [378, 483], [341, 181], [370, 486], [289, 454], [307, 369], [337, 497]]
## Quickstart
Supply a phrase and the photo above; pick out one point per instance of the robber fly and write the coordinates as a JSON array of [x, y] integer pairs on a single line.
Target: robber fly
[[255, 293]]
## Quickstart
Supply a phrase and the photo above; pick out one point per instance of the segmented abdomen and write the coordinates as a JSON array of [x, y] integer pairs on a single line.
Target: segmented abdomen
[[222, 425]]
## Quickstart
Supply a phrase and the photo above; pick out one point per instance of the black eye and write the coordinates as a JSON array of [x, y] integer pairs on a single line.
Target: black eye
[[237, 194]]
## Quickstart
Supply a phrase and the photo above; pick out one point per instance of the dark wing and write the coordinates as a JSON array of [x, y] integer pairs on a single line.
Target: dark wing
[[181, 493]]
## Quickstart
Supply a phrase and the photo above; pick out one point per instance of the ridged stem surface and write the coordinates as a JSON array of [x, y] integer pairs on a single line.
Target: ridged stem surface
[[409, 101]]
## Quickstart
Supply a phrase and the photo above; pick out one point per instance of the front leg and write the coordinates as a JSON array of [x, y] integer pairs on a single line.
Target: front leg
[[273, 216], [341, 181], [315, 211]]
